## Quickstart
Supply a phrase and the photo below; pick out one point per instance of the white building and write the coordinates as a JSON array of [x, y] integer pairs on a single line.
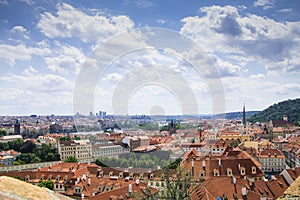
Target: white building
[[9, 138], [108, 150], [272, 160], [80, 149]]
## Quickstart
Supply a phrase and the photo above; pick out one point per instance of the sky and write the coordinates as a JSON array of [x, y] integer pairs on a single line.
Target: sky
[[147, 57]]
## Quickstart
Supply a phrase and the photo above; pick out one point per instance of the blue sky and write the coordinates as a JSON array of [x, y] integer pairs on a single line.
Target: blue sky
[[44, 45]]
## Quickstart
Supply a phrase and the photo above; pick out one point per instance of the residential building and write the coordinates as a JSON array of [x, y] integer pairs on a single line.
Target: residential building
[[108, 150], [80, 149], [8, 157], [9, 138], [272, 160]]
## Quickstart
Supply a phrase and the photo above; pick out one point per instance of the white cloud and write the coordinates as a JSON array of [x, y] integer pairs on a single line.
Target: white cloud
[[285, 10], [257, 76], [18, 29], [251, 37], [67, 60], [112, 77], [161, 21], [69, 22], [266, 4], [10, 53]]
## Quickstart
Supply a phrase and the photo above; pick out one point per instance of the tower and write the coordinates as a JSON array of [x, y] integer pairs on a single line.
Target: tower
[[17, 128], [244, 116]]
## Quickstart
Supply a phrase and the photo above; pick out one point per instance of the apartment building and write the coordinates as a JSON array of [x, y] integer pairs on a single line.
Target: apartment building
[[80, 149], [272, 160]]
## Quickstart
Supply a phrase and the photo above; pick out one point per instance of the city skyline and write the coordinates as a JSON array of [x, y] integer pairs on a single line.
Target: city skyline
[[44, 44]]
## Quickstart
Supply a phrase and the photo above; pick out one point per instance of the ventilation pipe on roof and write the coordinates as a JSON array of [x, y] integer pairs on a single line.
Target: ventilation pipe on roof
[[89, 181], [193, 163], [203, 164], [244, 191], [220, 163], [130, 188]]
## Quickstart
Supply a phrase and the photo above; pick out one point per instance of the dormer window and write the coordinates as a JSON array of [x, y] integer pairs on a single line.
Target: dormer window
[[49, 178], [111, 174], [243, 171], [27, 178], [151, 176], [121, 175], [77, 190], [229, 172], [101, 174], [131, 176], [42, 178], [216, 172], [57, 179], [253, 170], [142, 176]]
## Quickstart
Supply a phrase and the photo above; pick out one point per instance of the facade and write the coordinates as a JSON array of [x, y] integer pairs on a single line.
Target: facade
[[8, 157], [272, 160], [9, 138], [80, 149], [108, 150]]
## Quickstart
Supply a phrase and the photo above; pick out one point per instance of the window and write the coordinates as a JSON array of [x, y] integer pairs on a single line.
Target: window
[[216, 172], [243, 171], [229, 172], [253, 170]]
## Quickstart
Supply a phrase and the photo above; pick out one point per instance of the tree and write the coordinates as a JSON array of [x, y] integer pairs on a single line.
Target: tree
[[28, 147], [3, 132], [178, 188], [175, 164], [234, 143], [47, 184], [71, 159], [16, 144], [26, 158]]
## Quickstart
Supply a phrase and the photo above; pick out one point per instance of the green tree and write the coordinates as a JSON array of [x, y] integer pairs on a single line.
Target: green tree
[[26, 158], [47, 184], [234, 143], [175, 164], [16, 144], [71, 159], [28, 147], [3, 132]]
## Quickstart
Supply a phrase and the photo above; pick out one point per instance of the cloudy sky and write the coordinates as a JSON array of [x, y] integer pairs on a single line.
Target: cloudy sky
[[49, 49]]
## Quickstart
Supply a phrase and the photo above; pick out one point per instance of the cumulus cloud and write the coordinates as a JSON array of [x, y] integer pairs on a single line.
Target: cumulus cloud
[[256, 38], [68, 60], [10, 53], [69, 22]]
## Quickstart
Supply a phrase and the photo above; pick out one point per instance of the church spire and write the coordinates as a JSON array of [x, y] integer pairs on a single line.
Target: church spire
[[244, 116]]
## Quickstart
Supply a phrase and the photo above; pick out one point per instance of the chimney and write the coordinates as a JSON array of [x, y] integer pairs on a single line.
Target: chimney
[[203, 164], [193, 163], [89, 181], [244, 191], [239, 166], [234, 180], [137, 182], [82, 196], [78, 179], [262, 197], [220, 163], [129, 188]]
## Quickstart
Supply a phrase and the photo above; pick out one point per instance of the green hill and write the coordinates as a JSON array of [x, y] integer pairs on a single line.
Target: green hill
[[290, 108]]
